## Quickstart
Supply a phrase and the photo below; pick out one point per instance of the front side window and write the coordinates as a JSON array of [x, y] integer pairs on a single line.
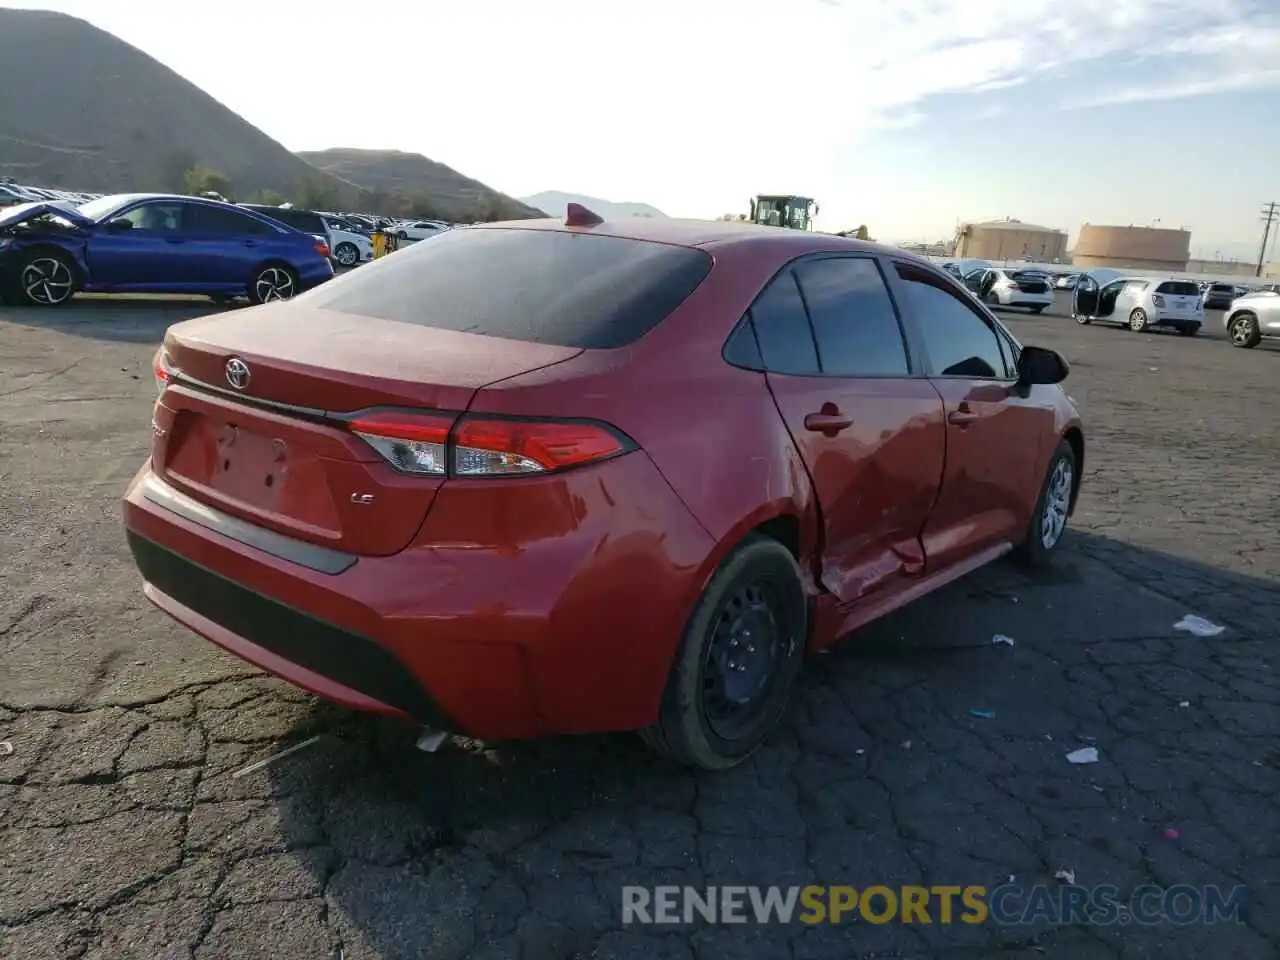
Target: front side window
[[958, 339], [158, 216]]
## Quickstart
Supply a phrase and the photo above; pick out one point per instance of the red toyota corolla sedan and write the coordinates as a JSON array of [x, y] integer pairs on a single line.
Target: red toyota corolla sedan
[[566, 476]]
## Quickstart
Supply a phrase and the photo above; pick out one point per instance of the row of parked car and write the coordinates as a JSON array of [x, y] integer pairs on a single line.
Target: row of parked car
[[349, 235], [1251, 313], [56, 242]]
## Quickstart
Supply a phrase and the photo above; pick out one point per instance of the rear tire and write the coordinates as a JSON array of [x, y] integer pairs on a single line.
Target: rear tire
[[738, 660], [1138, 320], [1188, 331], [1244, 331], [273, 281], [1049, 521]]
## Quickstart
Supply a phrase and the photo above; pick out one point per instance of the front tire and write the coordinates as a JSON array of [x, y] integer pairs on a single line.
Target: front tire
[[275, 281], [1053, 506], [1244, 331], [45, 278], [738, 660], [1138, 320]]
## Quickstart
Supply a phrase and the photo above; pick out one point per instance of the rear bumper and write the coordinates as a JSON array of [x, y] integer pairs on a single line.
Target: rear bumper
[[571, 631], [1166, 319]]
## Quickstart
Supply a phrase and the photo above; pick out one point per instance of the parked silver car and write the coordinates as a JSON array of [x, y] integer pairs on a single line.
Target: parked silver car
[[1139, 303], [1252, 317]]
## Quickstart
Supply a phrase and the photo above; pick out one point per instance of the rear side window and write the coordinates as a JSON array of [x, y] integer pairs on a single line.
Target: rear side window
[[539, 286], [1179, 288], [782, 329], [854, 321]]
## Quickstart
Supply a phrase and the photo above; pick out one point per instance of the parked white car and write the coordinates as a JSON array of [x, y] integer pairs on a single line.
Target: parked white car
[[1000, 287], [347, 248], [1139, 303], [419, 229]]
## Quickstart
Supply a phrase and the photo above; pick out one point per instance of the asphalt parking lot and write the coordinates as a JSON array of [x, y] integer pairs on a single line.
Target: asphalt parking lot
[[920, 752]]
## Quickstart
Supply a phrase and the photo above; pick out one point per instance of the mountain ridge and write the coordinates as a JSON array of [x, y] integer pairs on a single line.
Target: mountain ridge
[[554, 202]]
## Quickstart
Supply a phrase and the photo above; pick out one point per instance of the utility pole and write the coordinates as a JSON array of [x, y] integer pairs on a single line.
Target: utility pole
[[1270, 213]]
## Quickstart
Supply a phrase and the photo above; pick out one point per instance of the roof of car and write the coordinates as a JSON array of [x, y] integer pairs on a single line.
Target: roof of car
[[712, 233]]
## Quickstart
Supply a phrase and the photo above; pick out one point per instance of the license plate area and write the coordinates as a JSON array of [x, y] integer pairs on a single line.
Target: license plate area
[[230, 464]]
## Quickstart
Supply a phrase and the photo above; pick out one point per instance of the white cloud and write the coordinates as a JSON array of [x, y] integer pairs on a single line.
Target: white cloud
[[693, 105]]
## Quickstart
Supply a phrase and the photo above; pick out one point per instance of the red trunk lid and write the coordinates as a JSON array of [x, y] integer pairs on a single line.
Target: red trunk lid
[[274, 452]]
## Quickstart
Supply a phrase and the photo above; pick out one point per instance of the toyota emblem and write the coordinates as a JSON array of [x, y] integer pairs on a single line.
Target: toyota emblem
[[237, 373]]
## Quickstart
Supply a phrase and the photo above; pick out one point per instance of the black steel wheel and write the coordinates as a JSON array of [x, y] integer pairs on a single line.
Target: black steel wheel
[[738, 660]]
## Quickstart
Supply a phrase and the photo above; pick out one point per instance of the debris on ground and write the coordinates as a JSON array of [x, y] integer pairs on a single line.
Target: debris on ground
[[1001, 638], [251, 768], [906, 744], [1083, 755], [982, 714], [6, 748], [1183, 704], [1198, 626], [1066, 876], [1170, 833]]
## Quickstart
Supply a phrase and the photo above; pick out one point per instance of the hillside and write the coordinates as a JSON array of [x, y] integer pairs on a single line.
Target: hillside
[[428, 188], [554, 202], [83, 110]]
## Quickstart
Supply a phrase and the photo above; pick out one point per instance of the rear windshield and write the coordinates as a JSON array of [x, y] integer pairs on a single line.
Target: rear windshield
[[1179, 288], [1029, 275], [539, 286], [1224, 286]]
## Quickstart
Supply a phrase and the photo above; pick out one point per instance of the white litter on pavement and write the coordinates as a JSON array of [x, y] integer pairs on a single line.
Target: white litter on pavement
[[6, 748], [1067, 876], [1184, 704], [1083, 755], [245, 771], [1198, 625], [1001, 638]]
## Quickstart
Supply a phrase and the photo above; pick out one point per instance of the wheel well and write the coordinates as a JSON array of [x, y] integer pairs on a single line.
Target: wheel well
[[273, 262], [1074, 437], [785, 529]]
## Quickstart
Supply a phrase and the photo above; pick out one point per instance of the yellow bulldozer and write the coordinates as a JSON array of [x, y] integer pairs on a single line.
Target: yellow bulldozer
[[796, 213]]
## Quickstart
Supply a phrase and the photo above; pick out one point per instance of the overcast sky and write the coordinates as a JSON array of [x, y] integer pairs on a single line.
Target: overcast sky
[[906, 115]]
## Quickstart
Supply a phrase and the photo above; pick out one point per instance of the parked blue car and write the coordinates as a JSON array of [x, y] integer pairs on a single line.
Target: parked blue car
[[153, 243]]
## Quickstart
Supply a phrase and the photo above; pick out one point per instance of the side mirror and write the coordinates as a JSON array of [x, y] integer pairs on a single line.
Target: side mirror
[[1041, 365], [119, 225]]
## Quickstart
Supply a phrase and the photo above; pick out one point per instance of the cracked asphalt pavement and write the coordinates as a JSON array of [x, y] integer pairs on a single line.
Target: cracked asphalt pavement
[[129, 829]]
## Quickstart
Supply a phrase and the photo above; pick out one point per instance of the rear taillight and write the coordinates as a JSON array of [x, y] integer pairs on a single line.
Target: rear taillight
[[442, 444], [1157, 300], [412, 443], [162, 370], [323, 250]]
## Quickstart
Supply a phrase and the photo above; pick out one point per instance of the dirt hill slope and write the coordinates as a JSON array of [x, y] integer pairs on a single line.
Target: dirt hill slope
[[83, 110], [431, 188]]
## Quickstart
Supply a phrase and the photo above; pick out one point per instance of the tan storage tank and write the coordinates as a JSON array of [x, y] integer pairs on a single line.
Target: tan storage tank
[[1000, 240], [1132, 248]]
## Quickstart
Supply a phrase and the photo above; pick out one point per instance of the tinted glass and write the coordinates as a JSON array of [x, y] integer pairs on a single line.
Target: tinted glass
[[1223, 288], [782, 329], [959, 342], [853, 318], [221, 222], [160, 216], [1179, 288], [539, 286]]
